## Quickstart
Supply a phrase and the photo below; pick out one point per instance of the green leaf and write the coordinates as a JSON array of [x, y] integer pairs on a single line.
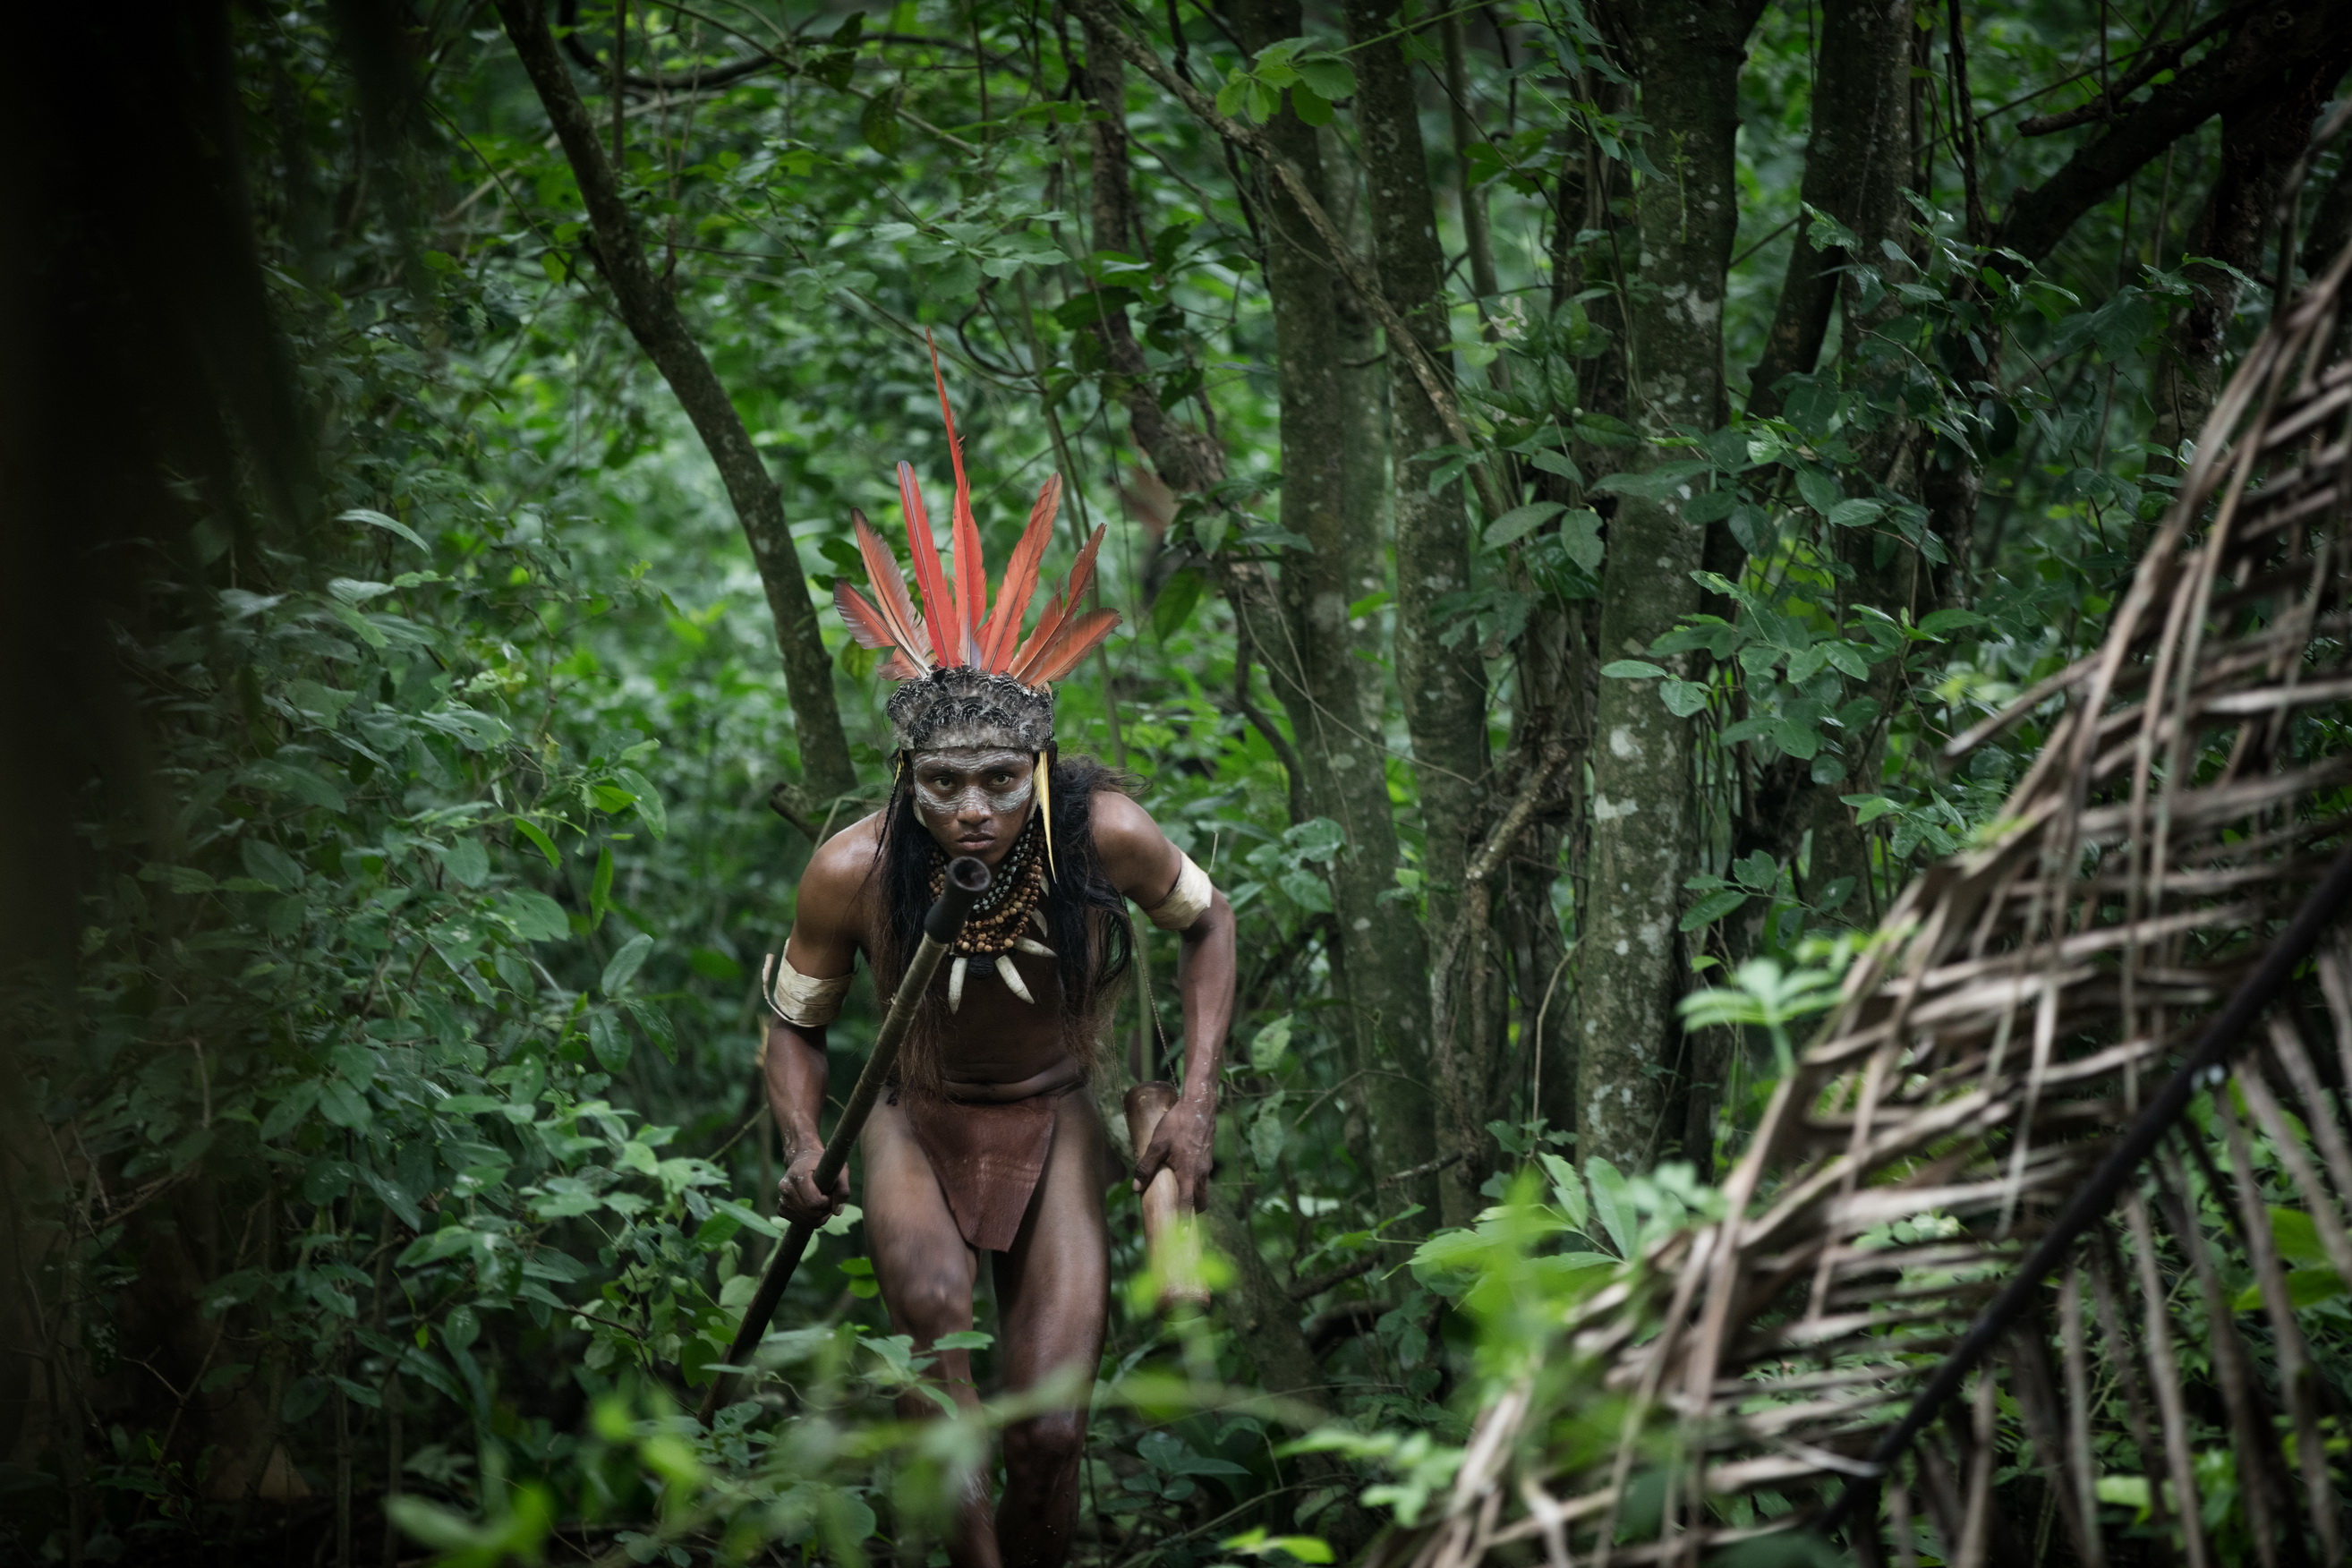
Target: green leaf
[[600, 888], [539, 841], [1580, 533], [341, 1102], [378, 520], [1683, 697], [1272, 1044], [2295, 1237], [1854, 514], [610, 1042], [1820, 489], [1711, 908], [878, 124], [536, 916], [1614, 1203], [1520, 521], [1175, 606], [657, 1026], [1552, 462], [1868, 808], [1311, 107], [964, 1340], [267, 863], [466, 861], [1942, 623], [290, 1110], [649, 801], [1631, 669], [623, 964], [1567, 1190], [1328, 74], [1661, 483]]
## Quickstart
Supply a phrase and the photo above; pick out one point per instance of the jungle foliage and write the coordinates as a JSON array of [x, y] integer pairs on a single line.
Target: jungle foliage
[[384, 1164]]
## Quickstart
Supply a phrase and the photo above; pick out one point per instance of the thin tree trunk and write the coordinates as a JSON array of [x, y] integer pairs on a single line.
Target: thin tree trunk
[[2261, 137], [1443, 689], [653, 317], [1855, 167], [1187, 460], [1310, 648], [1645, 825]]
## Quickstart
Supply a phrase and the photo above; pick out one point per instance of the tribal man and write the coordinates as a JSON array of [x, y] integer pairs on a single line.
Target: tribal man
[[987, 1145]]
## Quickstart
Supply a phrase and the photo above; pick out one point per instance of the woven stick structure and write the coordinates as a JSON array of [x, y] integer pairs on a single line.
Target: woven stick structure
[[2031, 1165]]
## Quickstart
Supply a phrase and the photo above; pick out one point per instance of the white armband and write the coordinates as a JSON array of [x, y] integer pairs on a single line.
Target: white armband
[[1186, 901], [798, 998]]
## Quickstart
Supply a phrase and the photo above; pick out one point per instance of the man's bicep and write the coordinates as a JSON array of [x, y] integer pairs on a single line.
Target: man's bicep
[[824, 941], [1136, 855]]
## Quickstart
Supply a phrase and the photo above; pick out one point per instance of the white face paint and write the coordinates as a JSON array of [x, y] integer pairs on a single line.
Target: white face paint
[[973, 799]]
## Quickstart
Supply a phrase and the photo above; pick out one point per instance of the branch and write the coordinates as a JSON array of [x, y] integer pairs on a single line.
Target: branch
[[653, 319], [2162, 58], [1104, 17], [2263, 46]]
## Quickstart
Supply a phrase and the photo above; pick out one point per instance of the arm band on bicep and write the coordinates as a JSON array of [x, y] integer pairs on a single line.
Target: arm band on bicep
[[1186, 901], [798, 998]]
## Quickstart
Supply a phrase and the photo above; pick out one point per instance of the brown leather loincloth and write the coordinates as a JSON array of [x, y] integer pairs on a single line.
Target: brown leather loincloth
[[987, 1157]]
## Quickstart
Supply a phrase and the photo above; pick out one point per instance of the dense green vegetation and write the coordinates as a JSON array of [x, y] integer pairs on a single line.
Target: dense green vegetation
[[384, 1151]]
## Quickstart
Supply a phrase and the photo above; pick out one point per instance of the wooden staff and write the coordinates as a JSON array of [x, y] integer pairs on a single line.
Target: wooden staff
[[1172, 1237], [967, 881]]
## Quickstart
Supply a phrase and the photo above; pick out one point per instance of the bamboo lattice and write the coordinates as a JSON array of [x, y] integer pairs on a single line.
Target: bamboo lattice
[[2026, 1003]]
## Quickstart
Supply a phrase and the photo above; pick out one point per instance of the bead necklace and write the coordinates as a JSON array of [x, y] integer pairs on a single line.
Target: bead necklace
[[1000, 923]]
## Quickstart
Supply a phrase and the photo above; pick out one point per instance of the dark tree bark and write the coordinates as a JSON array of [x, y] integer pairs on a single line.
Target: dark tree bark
[[1444, 688], [2262, 136], [1310, 649], [1187, 460], [2265, 42], [1855, 167], [1686, 56], [653, 317]]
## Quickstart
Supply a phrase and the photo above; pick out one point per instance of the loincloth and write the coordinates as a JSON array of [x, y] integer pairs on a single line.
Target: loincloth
[[988, 1156]]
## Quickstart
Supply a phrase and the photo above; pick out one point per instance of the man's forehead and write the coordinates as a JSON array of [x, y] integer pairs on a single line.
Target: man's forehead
[[969, 759]]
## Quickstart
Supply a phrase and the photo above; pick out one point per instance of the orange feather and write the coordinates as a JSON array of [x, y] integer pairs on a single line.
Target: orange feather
[[1079, 640], [939, 605], [898, 667], [1057, 612], [997, 638], [897, 611], [866, 627], [963, 533]]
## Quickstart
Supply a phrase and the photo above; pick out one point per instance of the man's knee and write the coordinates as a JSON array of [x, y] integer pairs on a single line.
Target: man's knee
[[931, 1302], [1046, 1443]]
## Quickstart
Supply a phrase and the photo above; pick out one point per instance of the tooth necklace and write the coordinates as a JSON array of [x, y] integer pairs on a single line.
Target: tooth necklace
[[1001, 922]]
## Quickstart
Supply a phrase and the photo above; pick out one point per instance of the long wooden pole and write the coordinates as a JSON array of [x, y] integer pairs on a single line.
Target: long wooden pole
[[967, 881]]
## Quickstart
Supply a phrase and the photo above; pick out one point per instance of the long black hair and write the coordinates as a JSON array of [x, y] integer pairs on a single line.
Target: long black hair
[[1083, 912]]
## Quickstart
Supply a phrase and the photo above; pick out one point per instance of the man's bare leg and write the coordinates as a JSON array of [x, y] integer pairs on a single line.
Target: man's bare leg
[[927, 1273], [1053, 1292]]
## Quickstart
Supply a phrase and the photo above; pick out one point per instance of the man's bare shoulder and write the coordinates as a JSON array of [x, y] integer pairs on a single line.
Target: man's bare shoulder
[[1135, 853], [844, 863]]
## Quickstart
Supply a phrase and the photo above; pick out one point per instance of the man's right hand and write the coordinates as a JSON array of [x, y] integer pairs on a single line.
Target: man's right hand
[[797, 1198]]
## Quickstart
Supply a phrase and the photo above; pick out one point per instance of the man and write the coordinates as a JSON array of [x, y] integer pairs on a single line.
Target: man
[[985, 1145]]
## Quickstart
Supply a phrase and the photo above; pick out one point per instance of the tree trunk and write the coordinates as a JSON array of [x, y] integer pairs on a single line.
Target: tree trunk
[[1310, 652], [1187, 460], [653, 317], [1687, 56], [1855, 167], [1443, 689], [2260, 138]]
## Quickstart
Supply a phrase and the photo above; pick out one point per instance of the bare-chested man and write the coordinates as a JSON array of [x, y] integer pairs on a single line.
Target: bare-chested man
[[987, 1145]]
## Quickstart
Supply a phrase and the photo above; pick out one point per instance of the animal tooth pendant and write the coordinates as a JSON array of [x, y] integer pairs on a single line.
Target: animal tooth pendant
[[955, 983], [1011, 978], [1033, 948]]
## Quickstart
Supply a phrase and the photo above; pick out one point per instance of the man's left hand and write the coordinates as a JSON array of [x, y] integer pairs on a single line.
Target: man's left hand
[[1185, 1143]]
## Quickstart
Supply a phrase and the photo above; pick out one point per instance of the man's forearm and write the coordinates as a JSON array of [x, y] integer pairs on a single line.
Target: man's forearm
[[796, 1076], [1205, 978]]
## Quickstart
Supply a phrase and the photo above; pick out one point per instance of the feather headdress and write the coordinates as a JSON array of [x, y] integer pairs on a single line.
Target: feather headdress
[[969, 677]]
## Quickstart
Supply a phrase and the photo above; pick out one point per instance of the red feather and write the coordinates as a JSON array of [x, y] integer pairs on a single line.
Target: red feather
[[897, 612], [939, 605], [898, 667], [1058, 611], [1079, 640], [866, 627], [970, 571], [997, 638]]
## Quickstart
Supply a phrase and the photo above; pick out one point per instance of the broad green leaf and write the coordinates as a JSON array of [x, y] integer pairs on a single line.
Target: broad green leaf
[[623, 966], [1712, 908], [1579, 534], [1631, 669], [466, 861], [1613, 1204], [378, 520], [648, 801], [536, 916], [1271, 1046], [539, 841], [1520, 521]]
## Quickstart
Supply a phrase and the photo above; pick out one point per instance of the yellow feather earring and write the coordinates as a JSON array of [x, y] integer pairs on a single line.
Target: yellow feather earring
[[1044, 777]]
